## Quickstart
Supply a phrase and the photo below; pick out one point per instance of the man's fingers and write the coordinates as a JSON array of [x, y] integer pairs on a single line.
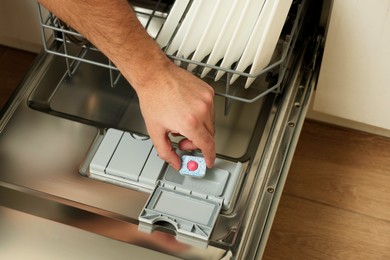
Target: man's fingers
[[208, 110], [186, 144], [203, 140], [162, 143], [208, 152]]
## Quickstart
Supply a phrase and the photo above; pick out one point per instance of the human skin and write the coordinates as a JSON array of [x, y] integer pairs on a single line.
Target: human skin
[[172, 100]]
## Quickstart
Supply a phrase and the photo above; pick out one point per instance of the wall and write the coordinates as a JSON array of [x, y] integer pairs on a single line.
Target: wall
[[353, 88], [19, 25]]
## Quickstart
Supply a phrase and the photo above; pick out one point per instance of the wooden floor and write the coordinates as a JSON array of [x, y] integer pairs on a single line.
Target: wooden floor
[[13, 65], [336, 202]]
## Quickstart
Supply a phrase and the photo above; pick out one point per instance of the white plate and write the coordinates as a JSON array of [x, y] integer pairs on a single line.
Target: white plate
[[241, 34], [210, 34], [155, 23], [249, 53], [196, 28], [271, 34], [190, 16], [170, 24], [225, 35]]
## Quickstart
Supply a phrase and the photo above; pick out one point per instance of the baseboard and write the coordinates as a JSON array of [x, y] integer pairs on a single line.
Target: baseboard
[[20, 44]]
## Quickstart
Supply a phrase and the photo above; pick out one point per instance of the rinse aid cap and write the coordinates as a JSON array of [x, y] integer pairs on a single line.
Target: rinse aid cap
[[193, 166]]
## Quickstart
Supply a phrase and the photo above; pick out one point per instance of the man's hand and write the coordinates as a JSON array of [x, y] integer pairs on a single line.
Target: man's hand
[[179, 103]]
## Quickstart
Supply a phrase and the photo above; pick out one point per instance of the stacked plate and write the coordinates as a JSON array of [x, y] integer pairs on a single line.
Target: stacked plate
[[235, 34]]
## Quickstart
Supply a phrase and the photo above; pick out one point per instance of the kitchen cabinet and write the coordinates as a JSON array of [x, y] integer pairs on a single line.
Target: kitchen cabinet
[[353, 87], [19, 26]]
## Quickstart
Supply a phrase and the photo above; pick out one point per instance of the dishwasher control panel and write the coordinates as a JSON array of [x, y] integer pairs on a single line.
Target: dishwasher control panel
[[190, 200]]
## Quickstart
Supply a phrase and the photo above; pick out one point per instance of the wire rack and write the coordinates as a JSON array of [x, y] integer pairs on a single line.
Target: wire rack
[[61, 40]]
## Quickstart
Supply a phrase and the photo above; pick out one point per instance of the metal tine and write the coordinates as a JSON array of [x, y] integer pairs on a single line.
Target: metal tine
[[113, 81], [42, 22], [74, 64], [228, 101], [229, 98], [178, 26], [151, 16], [66, 56], [117, 78], [81, 54]]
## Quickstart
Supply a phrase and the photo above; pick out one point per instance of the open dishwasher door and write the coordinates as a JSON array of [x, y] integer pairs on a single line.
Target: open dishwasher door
[[73, 111]]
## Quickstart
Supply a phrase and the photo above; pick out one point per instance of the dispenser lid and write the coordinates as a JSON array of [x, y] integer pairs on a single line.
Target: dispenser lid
[[191, 214]]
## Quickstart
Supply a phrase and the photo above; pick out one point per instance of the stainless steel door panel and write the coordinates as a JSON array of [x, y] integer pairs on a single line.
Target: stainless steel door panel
[[41, 155]]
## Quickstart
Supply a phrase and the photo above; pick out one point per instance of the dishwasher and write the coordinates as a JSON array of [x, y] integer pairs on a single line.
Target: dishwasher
[[74, 149]]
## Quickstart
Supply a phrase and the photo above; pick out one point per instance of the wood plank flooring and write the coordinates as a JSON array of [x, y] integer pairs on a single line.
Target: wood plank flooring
[[14, 65], [336, 202]]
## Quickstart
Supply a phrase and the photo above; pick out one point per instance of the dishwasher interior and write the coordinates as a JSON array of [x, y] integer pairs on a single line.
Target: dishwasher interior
[[88, 162]]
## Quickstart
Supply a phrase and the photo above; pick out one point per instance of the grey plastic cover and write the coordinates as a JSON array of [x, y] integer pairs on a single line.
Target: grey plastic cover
[[220, 181], [193, 215]]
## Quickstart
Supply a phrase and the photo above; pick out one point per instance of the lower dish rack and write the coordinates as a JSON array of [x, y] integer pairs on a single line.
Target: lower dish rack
[[61, 40]]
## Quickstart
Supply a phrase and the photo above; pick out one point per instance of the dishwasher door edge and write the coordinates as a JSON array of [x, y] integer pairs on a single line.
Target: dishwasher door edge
[[275, 164]]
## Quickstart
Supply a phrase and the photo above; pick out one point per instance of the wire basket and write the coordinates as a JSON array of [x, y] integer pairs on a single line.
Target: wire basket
[[61, 40]]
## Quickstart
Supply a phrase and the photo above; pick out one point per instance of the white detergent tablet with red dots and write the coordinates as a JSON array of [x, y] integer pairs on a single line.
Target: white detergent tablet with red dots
[[193, 166]]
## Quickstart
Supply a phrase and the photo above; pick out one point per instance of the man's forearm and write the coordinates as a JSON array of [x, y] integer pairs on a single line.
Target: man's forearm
[[115, 30], [172, 100]]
